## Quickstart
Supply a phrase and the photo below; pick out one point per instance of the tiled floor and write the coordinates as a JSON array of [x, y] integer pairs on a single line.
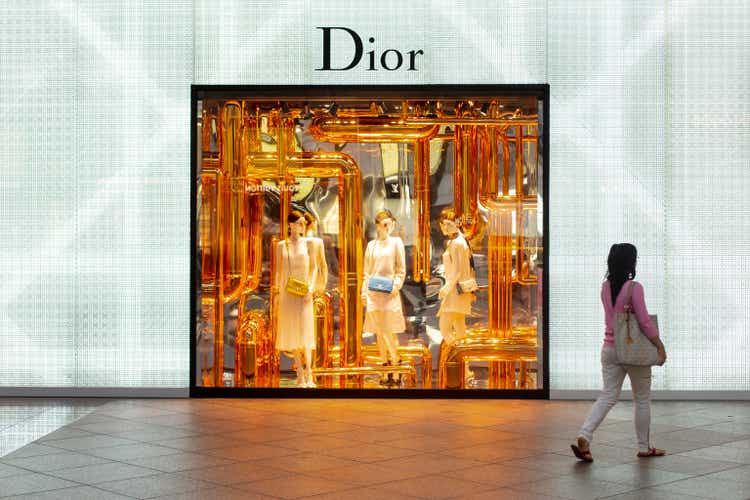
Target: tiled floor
[[380, 449], [23, 420]]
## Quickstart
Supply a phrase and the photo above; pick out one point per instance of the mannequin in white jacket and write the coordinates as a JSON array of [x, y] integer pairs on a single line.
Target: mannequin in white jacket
[[454, 306]]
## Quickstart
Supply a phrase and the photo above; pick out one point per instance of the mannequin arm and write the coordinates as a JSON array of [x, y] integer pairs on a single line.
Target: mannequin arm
[[399, 265]]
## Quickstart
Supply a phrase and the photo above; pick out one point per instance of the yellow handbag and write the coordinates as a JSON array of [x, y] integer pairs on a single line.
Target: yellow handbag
[[295, 286]]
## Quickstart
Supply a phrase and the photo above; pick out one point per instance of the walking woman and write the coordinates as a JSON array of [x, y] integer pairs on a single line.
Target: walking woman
[[616, 289]]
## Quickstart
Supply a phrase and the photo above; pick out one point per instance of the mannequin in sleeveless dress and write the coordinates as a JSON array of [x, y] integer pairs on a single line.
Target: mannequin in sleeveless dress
[[295, 327]]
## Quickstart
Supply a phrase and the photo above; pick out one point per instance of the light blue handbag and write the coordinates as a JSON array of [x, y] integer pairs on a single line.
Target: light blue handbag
[[380, 284]]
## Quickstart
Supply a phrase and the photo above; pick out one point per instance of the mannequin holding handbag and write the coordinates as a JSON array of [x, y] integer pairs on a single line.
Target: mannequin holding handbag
[[296, 272], [384, 272], [457, 294]]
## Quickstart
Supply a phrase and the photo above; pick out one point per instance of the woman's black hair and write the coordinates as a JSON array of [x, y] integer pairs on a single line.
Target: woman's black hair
[[620, 266]]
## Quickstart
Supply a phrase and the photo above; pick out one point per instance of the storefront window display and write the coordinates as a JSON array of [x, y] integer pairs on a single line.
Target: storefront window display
[[383, 238]]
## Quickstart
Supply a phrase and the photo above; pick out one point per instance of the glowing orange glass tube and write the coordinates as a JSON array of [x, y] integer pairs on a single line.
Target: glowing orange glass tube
[[382, 129], [369, 129], [465, 187], [323, 316], [421, 258], [451, 371]]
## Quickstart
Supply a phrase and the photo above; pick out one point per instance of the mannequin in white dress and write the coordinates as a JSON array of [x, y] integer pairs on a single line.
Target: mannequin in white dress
[[318, 253], [454, 306], [385, 257], [295, 327]]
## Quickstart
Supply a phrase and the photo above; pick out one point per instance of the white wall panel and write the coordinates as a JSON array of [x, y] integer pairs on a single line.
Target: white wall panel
[[95, 217], [650, 139]]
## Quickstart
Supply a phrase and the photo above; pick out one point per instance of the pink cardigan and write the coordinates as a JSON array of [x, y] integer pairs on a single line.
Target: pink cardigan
[[638, 307]]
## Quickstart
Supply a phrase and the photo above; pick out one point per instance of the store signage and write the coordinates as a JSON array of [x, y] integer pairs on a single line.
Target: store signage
[[388, 59]]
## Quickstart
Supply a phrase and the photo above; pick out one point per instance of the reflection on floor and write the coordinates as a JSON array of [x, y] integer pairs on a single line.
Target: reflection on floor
[[371, 449], [23, 420]]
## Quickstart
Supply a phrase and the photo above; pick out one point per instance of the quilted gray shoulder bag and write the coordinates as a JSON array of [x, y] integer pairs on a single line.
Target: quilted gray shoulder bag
[[631, 344]]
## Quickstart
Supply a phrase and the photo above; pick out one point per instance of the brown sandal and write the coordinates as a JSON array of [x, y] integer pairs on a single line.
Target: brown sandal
[[584, 455], [652, 452]]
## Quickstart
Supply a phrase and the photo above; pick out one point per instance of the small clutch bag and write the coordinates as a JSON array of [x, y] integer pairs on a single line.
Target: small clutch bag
[[467, 286], [298, 287], [380, 284]]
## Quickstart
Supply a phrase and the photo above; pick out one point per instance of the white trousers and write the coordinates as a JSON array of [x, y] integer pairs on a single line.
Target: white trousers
[[613, 374]]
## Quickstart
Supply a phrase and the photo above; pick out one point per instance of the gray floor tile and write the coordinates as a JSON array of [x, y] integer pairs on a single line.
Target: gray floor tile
[[88, 442], [740, 474], [575, 488], [179, 462], [100, 473], [221, 493], [723, 453], [55, 461], [152, 434], [75, 493], [63, 433], [31, 483], [499, 474], [236, 473], [709, 488], [633, 474], [9, 470], [319, 446], [32, 450], [687, 465], [132, 451], [653, 494], [154, 486], [293, 486]]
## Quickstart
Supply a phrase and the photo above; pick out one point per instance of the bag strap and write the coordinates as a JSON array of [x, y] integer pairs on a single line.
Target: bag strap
[[629, 297], [471, 253]]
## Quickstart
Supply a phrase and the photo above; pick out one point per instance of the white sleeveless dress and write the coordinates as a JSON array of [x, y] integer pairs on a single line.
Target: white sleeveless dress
[[295, 327]]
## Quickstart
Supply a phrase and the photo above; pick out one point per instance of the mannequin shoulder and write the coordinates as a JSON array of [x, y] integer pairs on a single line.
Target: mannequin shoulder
[[395, 240], [462, 243]]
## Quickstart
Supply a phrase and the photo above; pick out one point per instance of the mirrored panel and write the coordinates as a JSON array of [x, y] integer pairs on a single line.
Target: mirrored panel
[[375, 241]]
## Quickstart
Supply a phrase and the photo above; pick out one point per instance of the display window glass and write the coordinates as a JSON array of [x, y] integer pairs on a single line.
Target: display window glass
[[350, 238]]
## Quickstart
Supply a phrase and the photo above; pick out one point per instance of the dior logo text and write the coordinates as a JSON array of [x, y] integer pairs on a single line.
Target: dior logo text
[[388, 59]]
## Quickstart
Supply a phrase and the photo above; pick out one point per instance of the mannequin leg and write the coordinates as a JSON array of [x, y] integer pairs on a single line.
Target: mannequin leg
[[380, 336], [300, 372], [445, 324], [309, 382], [391, 342], [459, 325]]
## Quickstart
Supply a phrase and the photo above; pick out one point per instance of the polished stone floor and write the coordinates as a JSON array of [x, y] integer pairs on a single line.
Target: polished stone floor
[[368, 449]]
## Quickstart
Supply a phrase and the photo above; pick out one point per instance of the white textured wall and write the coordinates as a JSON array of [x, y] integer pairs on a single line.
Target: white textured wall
[[650, 143], [94, 211]]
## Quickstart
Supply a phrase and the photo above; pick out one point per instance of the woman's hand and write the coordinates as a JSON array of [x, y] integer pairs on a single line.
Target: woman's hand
[[443, 292], [662, 356]]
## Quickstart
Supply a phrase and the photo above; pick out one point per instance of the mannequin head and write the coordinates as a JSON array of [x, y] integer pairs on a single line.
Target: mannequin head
[[384, 223], [311, 225], [449, 223], [295, 224]]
